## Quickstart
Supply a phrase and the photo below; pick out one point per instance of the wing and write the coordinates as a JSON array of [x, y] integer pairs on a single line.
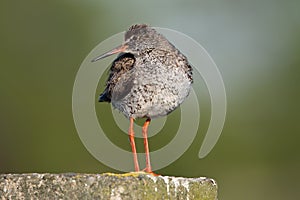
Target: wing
[[120, 80]]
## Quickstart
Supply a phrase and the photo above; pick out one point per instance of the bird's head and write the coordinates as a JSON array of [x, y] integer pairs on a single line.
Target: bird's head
[[138, 38]]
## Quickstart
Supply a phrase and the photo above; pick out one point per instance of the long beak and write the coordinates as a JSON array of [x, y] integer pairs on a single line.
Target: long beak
[[118, 49]]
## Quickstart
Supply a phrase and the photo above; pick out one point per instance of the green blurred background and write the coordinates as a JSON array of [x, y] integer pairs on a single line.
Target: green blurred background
[[256, 45]]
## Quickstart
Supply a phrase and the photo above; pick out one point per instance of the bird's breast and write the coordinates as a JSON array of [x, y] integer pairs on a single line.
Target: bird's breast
[[151, 89]]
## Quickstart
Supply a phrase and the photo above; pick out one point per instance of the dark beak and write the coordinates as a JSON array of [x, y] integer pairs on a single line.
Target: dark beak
[[118, 49]]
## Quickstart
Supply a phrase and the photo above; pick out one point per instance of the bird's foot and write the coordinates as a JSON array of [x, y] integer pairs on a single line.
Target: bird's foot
[[149, 171]]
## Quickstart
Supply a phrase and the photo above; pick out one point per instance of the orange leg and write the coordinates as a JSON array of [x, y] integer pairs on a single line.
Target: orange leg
[[145, 135], [132, 143]]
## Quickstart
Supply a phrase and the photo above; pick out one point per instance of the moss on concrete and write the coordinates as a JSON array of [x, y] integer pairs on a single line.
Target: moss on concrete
[[105, 186]]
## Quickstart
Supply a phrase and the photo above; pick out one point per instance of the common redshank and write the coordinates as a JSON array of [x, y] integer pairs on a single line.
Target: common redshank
[[150, 78]]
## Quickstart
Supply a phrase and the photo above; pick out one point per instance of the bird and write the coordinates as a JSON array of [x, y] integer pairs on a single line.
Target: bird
[[150, 78]]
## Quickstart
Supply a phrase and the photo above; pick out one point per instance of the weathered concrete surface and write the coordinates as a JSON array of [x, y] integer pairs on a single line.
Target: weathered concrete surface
[[105, 186]]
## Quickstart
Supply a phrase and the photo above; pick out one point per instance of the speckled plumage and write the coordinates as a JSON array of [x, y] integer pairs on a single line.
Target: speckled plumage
[[151, 78]]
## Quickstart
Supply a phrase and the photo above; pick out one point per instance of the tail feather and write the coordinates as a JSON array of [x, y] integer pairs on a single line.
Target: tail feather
[[104, 97]]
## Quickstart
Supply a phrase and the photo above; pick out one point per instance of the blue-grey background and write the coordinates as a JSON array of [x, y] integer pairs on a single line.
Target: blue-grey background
[[255, 44]]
